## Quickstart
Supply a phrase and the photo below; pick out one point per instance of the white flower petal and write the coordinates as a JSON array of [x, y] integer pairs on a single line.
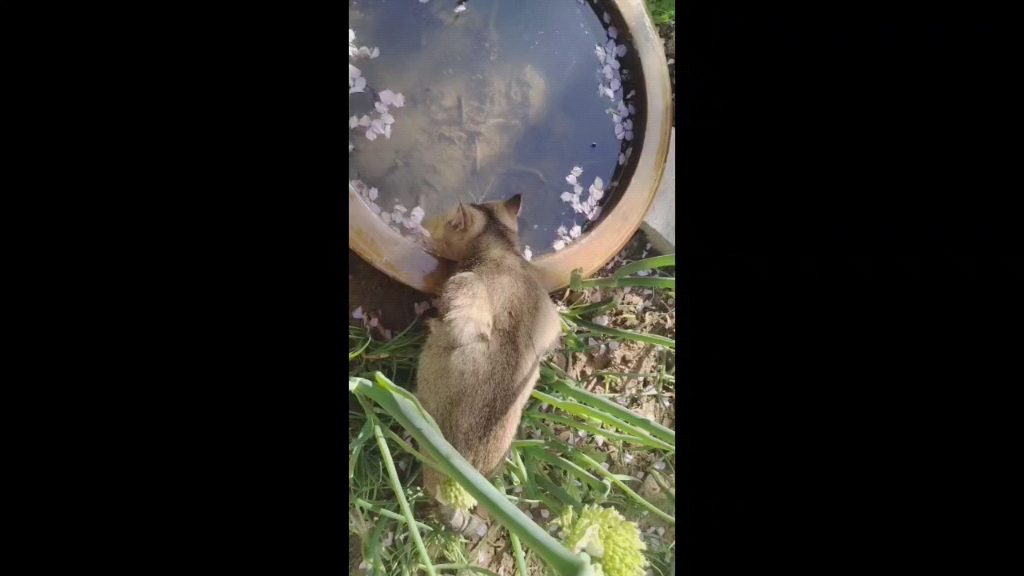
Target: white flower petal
[[358, 313], [629, 135], [387, 118], [613, 32], [386, 217], [527, 254], [400, 208], [558, 244], [354, 72], [381, 107], [387, 131], [621, 50], [571, 179], [371, 135], [460, 8], [375, 208], [351, 35], [566, 197], [607, 18], [622, 158], [577, 171], [364, 121], [615, 84], [578, 190], [598, 183], [575, 231], [376, 52]]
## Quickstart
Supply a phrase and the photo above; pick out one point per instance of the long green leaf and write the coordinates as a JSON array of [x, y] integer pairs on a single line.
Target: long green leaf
[[410, 415], [611, 435]]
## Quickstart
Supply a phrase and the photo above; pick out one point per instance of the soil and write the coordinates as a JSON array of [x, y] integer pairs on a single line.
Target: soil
[[379, 294]]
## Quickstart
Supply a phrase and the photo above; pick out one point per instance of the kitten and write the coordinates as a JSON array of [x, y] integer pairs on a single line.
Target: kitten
[[482, 357]]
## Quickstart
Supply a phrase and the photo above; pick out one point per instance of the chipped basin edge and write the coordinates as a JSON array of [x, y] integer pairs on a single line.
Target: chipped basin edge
[[376, 243]]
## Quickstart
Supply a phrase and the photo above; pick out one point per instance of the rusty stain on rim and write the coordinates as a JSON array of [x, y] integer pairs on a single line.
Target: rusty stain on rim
[[386, 250]]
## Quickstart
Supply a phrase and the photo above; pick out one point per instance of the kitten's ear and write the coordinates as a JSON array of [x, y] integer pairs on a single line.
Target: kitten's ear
[[460, 220], [513, 206]]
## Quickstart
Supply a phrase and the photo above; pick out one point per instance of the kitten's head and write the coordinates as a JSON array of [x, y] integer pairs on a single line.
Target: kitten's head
[[456, 231]]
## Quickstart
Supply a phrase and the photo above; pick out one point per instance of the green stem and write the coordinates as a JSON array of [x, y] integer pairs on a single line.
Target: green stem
[[385, 512], [518, 549], [396, 486], [639, 499], [464, 567], [569, 466]]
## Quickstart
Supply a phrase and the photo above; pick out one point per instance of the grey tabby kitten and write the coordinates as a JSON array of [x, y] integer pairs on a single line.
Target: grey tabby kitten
[[482, 357]]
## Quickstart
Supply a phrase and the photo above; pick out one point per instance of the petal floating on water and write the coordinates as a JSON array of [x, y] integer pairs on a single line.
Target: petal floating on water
[[613, 32], [577, 171], [376, 52], [571, 178], [558, 244], [622, 158], [576, 231], [566, 196], [621, 50], [381, 107]]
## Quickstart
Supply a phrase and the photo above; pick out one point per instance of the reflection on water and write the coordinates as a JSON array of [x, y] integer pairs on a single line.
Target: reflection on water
[[499, 99]]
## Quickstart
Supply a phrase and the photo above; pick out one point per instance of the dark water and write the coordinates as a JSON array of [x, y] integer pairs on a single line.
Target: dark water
[[498, 100]]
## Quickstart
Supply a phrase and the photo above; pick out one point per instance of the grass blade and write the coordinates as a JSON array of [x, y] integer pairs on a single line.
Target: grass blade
[[632, 281], [621, 412], [595, 430], [647, 264], [595, 308], [589, 412], [628, 334]]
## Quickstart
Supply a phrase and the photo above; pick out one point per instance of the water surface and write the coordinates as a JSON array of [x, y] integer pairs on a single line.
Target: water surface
[[498, 100]]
